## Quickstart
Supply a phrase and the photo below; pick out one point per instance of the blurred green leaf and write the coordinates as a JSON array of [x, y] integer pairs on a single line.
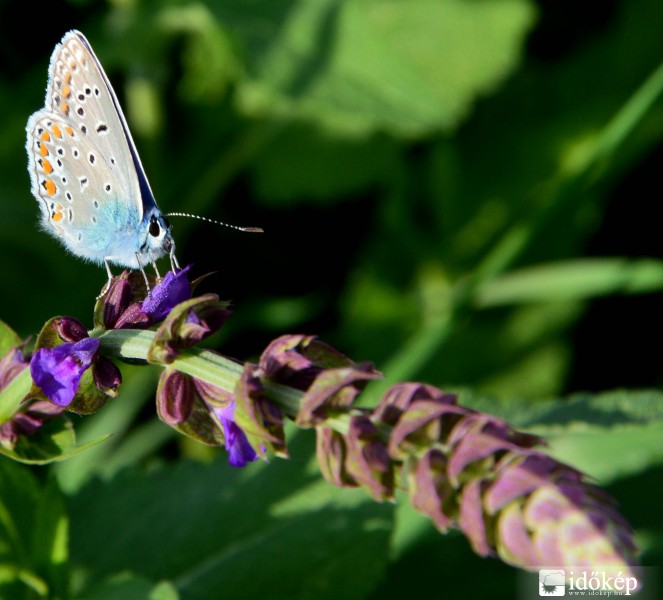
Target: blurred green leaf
[[306, 163], [572, 280], [18, 497], [611, 453], [136, 391], [50, 539], [8, 338], [279, 528], [600, 410], [13, 394], [609, 435], [53, 442], [33, 535], [407, 66], [129, 586], [209, 57]]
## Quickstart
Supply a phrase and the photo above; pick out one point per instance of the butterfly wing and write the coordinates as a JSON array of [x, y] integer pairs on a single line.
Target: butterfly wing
[[145, 198], [84, 168]]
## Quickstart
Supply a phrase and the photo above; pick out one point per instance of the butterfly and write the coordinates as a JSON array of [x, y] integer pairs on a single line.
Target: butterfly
[[85, 170]]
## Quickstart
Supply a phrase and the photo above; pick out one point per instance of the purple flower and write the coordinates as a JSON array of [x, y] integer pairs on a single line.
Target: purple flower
[[204, 412], [126, 305], [63, 353], [117, 310], [173, 289], [239, 450], [58, 371]]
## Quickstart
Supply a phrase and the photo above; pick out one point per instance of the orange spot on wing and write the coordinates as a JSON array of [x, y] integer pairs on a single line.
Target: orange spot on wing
[[67, 77], [49, 186], [66, 91], [69, 130], [45, 137], [64, 107], [56, 131], [48, 167], [43, 150], [57, 217]]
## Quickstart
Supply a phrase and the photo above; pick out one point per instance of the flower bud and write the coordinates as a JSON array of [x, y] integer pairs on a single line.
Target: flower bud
[[331, 452], [368, 461], [259, 418], [175, 397], [334, 390], [69, 329]]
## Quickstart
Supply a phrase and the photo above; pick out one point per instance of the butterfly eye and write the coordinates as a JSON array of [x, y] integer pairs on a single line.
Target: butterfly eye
[[155, 229]]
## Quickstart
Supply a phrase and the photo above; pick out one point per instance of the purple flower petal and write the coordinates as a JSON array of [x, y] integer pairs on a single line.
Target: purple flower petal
[[239, 450], [58, 371], [174, 288], [134, 317]]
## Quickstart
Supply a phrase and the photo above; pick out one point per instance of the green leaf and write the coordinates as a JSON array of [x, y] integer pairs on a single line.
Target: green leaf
[[53, 442], [117, 417], [130, 586], [8, 338], [210, 62], [12, 396], [406, 66], [277, 528], [610, 453], [19, 492], [50, 539], [33, 535], [304, 163], [609, 435], [13, 393], [572, 280]]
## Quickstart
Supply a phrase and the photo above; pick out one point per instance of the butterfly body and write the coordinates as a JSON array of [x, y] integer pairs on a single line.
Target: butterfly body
[[84, 168]]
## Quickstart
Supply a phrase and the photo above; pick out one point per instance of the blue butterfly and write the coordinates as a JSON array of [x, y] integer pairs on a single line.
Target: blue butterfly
[[85, 171]]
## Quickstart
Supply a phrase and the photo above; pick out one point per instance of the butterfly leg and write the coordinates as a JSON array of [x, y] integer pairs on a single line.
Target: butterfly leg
[[142, 270], [156, 270], [174, 265], [108, 283]]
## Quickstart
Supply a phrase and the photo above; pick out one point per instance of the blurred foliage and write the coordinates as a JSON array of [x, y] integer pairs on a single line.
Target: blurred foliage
[[458, 190]]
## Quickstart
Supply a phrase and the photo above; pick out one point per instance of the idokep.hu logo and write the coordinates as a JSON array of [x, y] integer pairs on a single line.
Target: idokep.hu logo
[[552, 582], [567, 582], [595, 581]]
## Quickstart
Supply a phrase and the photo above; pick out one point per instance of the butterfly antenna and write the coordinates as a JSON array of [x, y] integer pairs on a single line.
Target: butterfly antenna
[[247, 229]]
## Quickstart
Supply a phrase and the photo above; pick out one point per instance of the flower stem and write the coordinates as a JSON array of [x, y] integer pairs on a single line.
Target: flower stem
[[206, 365]]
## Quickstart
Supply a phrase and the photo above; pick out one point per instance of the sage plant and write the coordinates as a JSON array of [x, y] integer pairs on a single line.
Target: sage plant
[[461, 468]]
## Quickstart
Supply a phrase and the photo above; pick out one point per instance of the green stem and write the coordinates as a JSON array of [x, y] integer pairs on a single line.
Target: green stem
[[203, 364]]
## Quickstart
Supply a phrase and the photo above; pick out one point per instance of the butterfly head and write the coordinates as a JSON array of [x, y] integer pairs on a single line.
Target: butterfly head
[[158, 240]]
